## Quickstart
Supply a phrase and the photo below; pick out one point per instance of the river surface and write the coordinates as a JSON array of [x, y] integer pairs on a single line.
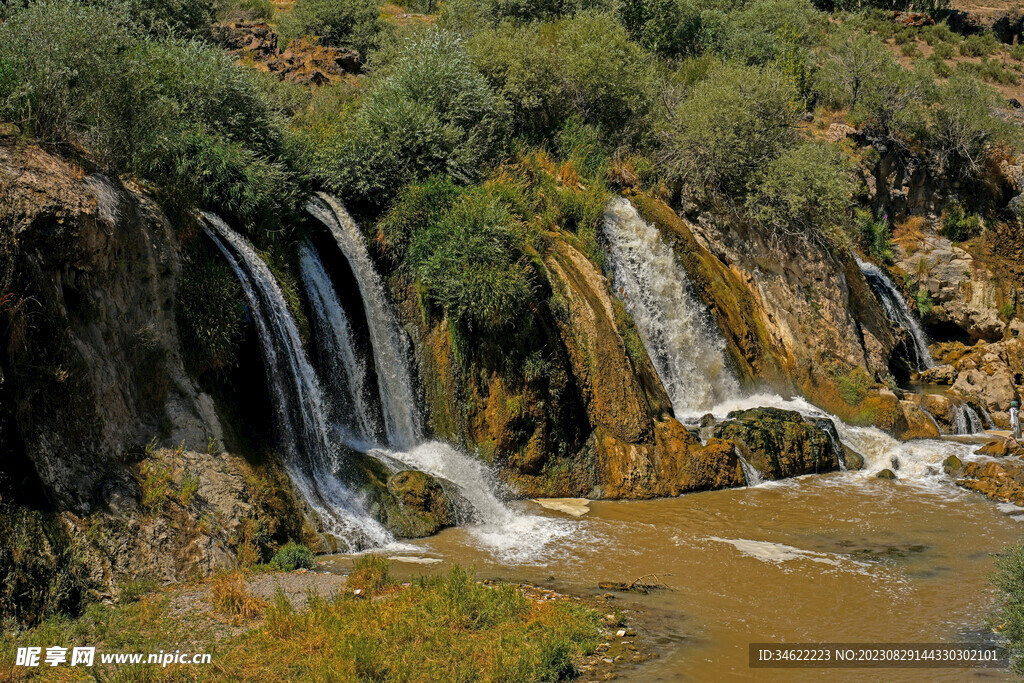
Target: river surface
[[828, 558]]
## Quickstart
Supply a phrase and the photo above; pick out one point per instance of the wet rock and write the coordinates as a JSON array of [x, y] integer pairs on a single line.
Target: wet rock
[[951, 465], [1000, 448], [940, 374], [920, 425], [427, 507], [852, 459], [886, 474], [779, 443], [1003, 480]]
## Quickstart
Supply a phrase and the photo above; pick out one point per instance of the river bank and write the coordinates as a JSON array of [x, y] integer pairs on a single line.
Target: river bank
[[368, 624]]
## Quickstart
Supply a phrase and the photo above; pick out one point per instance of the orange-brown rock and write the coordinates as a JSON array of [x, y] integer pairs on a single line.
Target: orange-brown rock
[[303, 62], [1000, 448], [1002, 480]]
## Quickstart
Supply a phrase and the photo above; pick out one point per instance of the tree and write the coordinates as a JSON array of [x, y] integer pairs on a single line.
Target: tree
[[964, 128], [732, 125], [350, 23], [804, 192]]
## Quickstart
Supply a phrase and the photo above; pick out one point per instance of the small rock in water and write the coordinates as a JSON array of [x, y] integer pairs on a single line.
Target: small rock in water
[[895, 464], [886, 474], [951, 465]]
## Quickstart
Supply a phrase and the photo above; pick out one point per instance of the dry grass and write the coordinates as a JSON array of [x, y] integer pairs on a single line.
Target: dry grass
[[230, 596]]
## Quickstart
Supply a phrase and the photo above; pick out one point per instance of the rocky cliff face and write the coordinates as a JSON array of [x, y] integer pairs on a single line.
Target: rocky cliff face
[[800, 319], [91, 387]]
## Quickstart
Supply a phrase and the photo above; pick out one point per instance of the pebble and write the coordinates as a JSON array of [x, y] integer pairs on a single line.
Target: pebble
[[621, 632]]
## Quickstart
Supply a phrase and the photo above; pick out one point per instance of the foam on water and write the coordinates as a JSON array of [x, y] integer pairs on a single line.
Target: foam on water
[[776, 553], [512, 536]]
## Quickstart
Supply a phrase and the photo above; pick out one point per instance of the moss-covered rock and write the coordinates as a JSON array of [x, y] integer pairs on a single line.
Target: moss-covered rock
[[886, 474], [780, 443], [952, 465], [428, 508]]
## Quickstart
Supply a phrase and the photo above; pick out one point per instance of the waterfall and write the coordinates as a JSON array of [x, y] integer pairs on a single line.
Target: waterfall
[[390, 346], [750, 473], [965, 419], [311, 457], [345, 368], [512, 535], [685, 345], [689, 355], [899, 314]]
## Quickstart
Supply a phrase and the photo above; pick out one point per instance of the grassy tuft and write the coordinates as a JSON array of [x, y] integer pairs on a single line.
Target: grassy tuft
[[230, 596]]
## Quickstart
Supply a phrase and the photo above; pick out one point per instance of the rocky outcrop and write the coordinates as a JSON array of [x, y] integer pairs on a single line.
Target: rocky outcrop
[[963, 293], [93, 384], [1002, 481], [797, 317], [781, 443], [989, 375], [302, 62]]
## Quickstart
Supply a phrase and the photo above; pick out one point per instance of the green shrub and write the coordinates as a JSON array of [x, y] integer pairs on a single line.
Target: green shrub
[[756, 33], [875, 236], [1008, 580], [181, 18], [585, 66], [958, 225], [924, 302], [964, 128], [431, 112], [910, 50], [349, 23], [243, 10], [521, 64], [666, 27], [607, 78], [293, 556], [179, 114], [803, 192], [60, 57], [944, 51], [978, 45], [470, 263], [732, 125]]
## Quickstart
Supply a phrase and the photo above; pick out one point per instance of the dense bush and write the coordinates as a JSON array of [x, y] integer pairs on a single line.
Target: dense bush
[[430, 112], [350, 23], [585, 65], [732, 125], [470, 263], [804, 191], [181, 18], [958, 225], [293, 556], [758, 32], [667, 27], [964, 128], [180, 114]]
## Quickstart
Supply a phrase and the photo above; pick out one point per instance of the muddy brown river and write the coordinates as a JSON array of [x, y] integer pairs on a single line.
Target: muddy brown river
[[833, 558]]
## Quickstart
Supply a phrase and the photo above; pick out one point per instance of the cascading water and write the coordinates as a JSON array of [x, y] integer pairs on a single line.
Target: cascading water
[[899, 314], [390, 348], [965, 419], [345, 368], [682, 340], [509, 534], [688, 354], [750, 473], [311, 457]]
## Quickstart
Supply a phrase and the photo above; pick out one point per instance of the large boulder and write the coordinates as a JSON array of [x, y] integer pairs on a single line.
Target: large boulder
[[426, 506], [920, 425], [780, 443]]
